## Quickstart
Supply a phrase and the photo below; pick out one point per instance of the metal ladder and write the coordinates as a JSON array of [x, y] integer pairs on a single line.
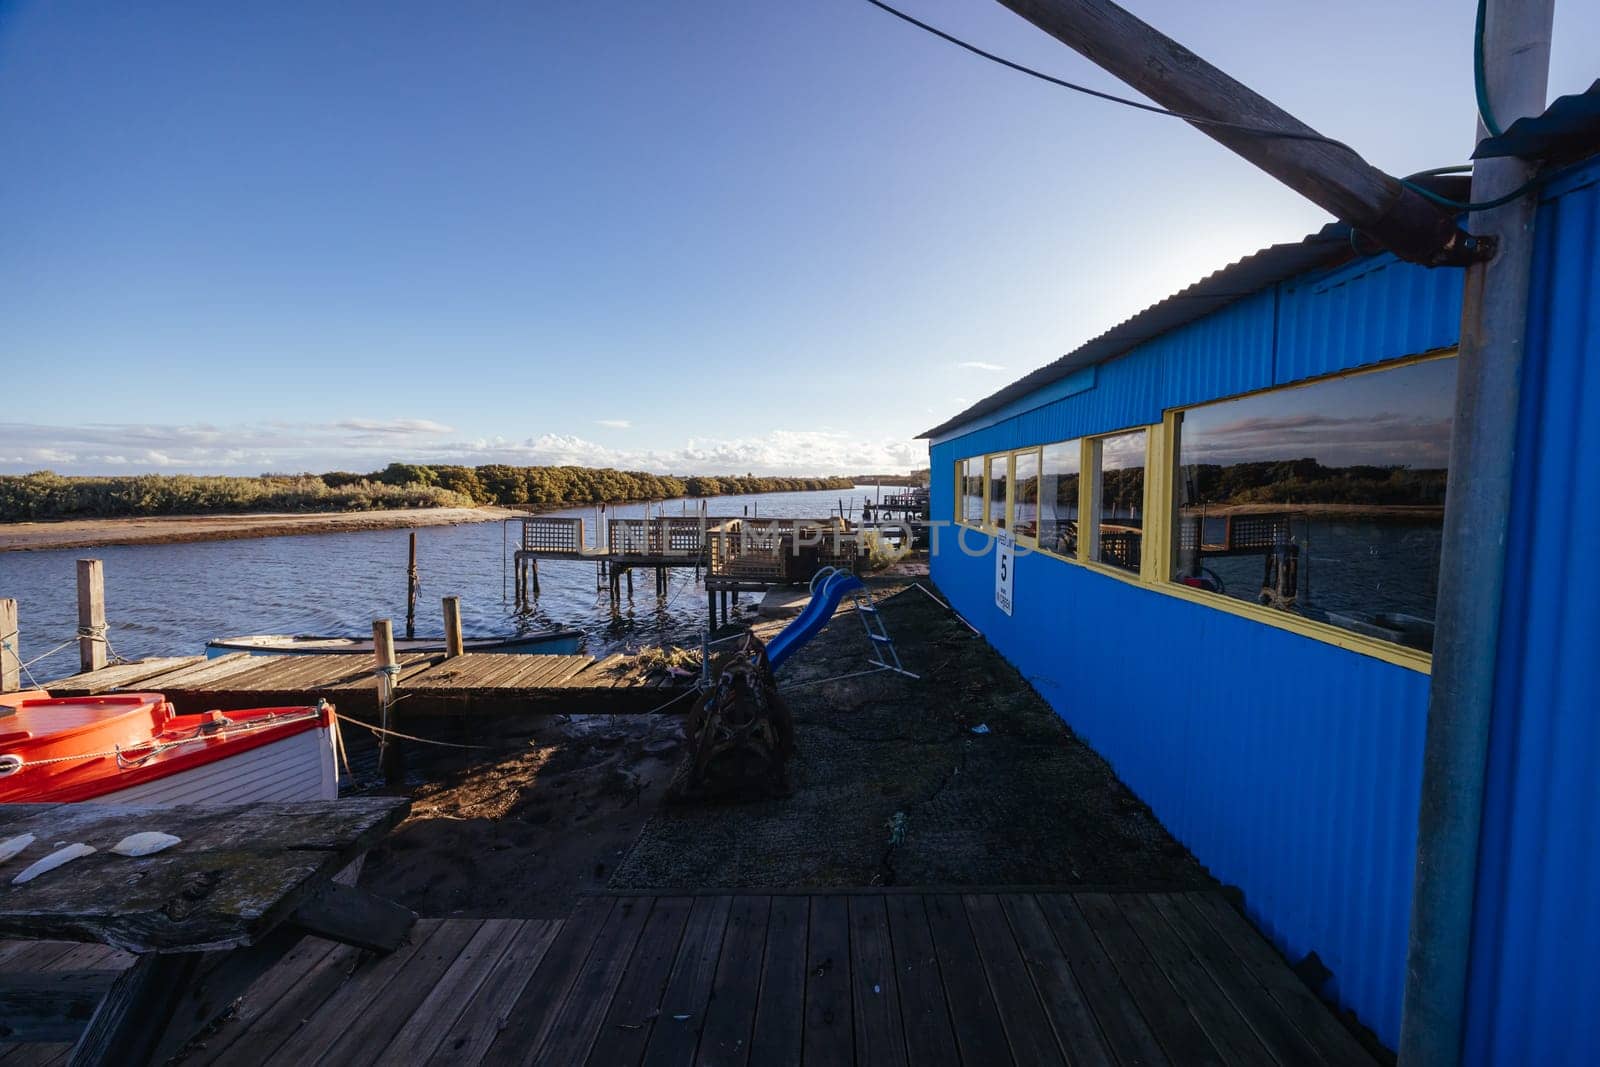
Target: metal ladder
[[884, 655]]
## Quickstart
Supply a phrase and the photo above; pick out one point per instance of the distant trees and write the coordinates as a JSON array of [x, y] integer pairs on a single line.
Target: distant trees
[[47, 495], [1306, 481]]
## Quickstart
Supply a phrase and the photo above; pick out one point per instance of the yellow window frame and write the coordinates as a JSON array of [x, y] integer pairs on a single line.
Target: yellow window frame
[[1037, 452]]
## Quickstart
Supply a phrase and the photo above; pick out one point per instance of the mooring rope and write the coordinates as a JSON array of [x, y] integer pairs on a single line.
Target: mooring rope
[[134, 755], [386, 732]]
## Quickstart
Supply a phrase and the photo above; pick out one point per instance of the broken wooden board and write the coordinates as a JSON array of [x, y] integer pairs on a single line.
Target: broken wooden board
[[239, 871]]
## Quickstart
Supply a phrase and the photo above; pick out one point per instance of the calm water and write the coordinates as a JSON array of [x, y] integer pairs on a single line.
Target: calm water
[[171, 599]]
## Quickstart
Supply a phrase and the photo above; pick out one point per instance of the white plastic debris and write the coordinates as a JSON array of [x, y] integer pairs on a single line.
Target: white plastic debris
[[52, 861], [147, 843], [981, 728], [13, 845]]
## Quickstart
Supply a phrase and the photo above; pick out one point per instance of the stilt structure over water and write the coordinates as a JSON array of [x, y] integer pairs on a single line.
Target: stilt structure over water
[[736, 555]]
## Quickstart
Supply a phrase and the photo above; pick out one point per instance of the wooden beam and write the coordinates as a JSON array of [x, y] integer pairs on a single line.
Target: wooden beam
[[355, 917], [1332, 176], [49, 1006], [453, 645], [388, 670], [412, 582], [132, 1021], [91, 614], [10, 648]]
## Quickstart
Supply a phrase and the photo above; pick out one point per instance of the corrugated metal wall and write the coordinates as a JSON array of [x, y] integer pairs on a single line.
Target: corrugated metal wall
[[1287, 765], [1535, 991], [1291, 767]]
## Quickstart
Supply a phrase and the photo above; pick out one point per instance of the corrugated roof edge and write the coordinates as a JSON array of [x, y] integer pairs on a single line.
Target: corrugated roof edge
[[1275, 263], [1569, 129]]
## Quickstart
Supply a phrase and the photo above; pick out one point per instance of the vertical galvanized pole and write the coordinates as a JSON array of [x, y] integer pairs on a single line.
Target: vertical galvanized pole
[[1516, 56]]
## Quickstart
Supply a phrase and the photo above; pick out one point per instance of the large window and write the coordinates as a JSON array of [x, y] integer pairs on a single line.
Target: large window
[[969, 482], [994, 515], [1324, 500], [1058, 497], [1117, 484], [1025, 507]]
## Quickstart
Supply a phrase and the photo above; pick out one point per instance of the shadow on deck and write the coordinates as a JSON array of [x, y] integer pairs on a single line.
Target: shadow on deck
[[868, 977]]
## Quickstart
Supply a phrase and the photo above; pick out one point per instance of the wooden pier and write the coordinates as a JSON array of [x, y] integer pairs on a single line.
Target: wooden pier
[[735, 555], [472, 684], [864, 977]]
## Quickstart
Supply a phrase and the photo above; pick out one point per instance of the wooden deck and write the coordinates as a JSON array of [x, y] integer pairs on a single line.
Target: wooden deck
[[471, 684], [864, 977]]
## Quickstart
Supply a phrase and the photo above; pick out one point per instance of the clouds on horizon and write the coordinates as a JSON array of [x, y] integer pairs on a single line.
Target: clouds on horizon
[[369, 444], [1381, 439]]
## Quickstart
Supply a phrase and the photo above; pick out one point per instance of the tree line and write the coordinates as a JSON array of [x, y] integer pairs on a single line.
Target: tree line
[[47, 495]]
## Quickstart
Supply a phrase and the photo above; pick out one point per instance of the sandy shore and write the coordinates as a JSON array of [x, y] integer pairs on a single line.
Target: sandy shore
[[174, 529]]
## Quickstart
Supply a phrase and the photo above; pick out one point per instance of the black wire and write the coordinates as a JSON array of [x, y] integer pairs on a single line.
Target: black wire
[[1199, 120]]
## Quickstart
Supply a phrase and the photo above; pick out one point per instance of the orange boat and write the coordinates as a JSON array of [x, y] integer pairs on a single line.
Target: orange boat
[[133, 748]]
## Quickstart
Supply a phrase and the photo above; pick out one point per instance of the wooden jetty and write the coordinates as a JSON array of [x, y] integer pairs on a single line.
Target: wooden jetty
[[735, 555], [432, 685], [865, 977], [242, 887]]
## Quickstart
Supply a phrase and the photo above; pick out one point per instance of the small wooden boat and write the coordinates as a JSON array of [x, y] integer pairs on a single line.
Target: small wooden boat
[[546, 642], [133, 748]]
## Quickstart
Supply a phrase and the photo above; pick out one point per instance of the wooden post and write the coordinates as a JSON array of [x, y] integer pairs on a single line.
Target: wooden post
[[452, 627], [411, 590], [1329, 175], [10, 648], [387, 668], [91, 615]]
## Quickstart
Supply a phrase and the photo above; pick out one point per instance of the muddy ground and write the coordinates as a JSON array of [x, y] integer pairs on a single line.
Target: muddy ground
[[181, 529], [892, 786]]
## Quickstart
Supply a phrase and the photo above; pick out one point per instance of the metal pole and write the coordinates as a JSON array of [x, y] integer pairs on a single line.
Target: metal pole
[[1516, 56], [1332, 176]]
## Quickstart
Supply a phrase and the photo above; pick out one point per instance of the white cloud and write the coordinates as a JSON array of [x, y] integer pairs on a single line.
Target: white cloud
[[394, 427], [614, 424], [978, 364], [361, 444]]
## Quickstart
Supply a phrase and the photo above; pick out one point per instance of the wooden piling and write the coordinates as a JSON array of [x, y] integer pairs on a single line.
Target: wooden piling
[[387, 667], [412, 583], [10, 648], [453, 645], [91, 615]]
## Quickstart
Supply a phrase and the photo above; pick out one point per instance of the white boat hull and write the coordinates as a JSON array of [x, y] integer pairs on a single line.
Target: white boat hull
[[297, 768]]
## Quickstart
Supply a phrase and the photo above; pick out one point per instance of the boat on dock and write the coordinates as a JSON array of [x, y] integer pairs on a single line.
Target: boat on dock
[[134, 749], [544, 642]]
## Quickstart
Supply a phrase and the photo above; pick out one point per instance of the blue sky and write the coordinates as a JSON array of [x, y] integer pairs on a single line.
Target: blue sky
[[714, 235]]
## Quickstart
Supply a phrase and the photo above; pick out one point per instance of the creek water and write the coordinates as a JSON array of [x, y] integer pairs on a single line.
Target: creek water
[[170, 599]]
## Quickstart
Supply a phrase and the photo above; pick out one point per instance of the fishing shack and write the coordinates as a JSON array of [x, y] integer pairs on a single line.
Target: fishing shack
[[1212, 539]]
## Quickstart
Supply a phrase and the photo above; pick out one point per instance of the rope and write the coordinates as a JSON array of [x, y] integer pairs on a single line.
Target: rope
[[122, 755], [385, 732], [45, 655]]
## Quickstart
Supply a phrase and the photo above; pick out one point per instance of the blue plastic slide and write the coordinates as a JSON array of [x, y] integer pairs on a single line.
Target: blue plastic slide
[[826, 590]]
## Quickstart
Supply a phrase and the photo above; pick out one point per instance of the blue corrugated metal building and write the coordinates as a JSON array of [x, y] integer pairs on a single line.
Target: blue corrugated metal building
[[1285, 752]]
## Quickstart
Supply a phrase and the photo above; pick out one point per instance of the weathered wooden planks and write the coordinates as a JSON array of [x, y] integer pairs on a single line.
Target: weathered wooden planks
[[238, 872], [856, 977], [474, 684]]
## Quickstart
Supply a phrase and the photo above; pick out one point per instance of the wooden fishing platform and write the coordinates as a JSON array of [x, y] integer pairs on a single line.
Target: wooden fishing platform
[[735, 554], [865, 977], [427, 685]]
